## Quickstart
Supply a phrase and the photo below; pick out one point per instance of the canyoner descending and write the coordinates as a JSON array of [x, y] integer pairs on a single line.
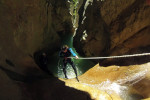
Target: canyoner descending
[[65, 53], [81, 66]]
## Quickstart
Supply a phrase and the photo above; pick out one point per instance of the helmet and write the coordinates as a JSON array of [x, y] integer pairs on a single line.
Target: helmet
[[64, 47]]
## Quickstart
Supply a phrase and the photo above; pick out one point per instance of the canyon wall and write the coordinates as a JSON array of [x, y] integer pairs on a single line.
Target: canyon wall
[[113, 28], [26, 27]]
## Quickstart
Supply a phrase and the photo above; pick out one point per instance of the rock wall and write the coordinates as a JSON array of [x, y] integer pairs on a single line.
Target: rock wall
[[95, 28], [114, 28], [28, 26], [109, 28]]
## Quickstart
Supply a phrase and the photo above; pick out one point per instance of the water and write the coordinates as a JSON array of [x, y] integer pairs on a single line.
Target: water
[[56, 63], [122, 85]]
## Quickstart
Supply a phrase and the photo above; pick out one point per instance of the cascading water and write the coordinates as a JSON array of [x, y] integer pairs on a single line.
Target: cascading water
[[81, 65], [121, 86], [103, 84]]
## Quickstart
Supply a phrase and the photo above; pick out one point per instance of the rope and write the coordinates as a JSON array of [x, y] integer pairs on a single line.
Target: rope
[[123, 56]]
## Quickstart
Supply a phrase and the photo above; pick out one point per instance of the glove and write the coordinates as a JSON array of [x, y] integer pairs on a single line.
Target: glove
[[76, 57]]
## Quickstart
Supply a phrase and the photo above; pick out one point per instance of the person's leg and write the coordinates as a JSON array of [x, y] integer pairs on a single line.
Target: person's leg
[[45, 68], [74, 68], [64, 68]]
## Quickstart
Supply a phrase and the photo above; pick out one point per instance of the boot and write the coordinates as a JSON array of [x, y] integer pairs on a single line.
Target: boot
[[77, 79]]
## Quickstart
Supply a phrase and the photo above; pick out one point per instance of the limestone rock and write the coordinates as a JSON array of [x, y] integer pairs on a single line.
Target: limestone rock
[[27, 26], [115, 82], [113, 28]]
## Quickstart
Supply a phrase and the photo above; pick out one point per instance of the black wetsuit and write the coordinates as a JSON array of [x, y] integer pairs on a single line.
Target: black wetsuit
[[43, 61], [68, 60]]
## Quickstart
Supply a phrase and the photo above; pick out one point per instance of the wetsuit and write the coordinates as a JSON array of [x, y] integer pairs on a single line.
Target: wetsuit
[[42, 62], [68, 60]]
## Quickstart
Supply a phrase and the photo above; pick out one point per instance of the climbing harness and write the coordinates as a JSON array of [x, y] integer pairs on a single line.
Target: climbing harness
[[123, 56]]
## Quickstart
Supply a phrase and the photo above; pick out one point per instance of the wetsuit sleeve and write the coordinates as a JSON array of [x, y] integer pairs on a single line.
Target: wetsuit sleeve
[[61, 54], [72, 52]]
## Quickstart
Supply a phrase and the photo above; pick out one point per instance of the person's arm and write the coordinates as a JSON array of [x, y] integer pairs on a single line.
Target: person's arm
[[70, 49]]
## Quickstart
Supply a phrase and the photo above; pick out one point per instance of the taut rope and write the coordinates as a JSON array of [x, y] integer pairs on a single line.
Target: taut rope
[[123, 56]]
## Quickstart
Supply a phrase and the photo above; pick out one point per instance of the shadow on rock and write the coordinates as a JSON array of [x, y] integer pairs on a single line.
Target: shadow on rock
[[41, 87], [41, 59], [23, 78], [9, 62]]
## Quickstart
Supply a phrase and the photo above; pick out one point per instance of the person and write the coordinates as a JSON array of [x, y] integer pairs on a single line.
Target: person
[[65, 53], [43, 62]]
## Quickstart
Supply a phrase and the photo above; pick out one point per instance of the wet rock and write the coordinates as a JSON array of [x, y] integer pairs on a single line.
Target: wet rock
[[92, 31], [115, 82], [29, 26], [25, 28], [113, 28], [109, 28]]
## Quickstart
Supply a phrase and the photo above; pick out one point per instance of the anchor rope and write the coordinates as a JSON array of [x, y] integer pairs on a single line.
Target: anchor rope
[[122, 56]]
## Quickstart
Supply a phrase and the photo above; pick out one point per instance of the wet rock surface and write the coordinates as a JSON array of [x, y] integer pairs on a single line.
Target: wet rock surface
[[115, 82]]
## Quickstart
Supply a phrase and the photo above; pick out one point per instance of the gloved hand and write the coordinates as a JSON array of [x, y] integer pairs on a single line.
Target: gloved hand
[[76, 57]]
